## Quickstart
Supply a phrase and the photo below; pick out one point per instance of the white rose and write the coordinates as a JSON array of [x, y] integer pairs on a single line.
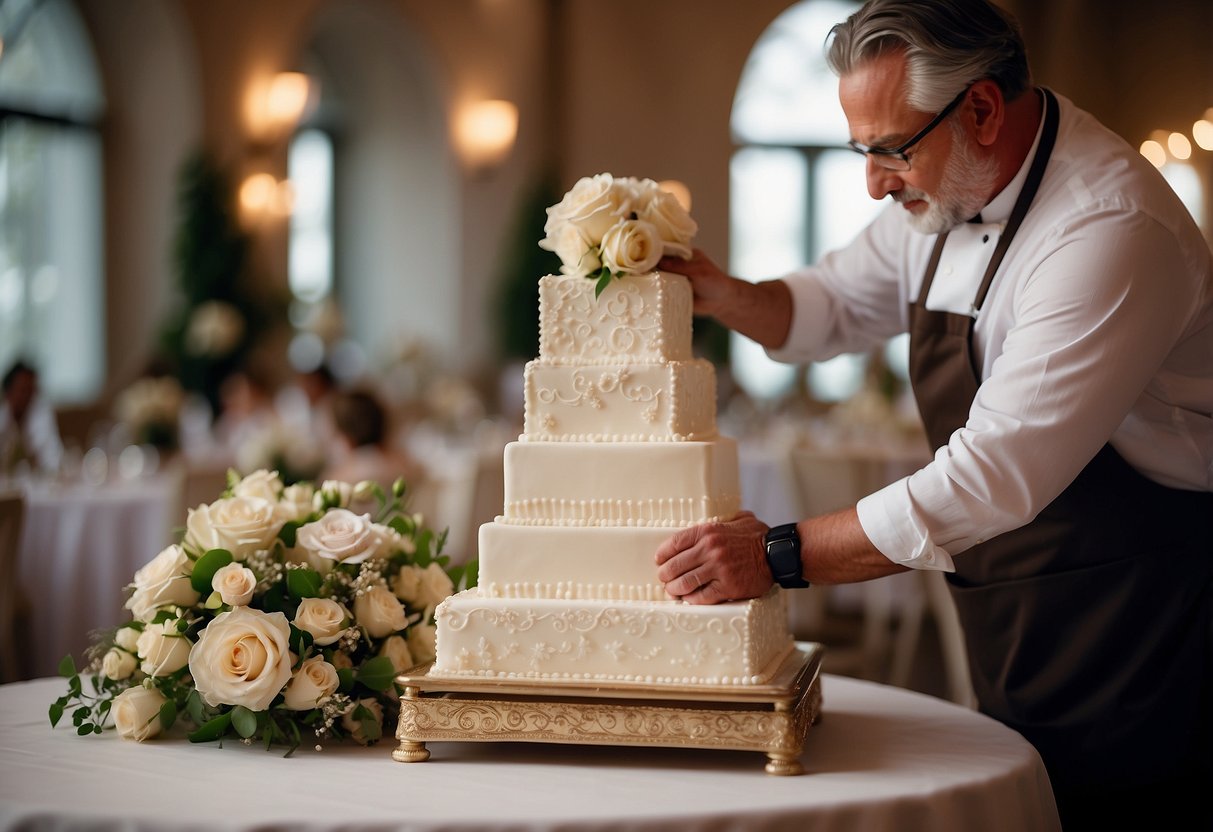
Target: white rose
[[674, 225], [407, 584], [436, 586], [354, 725], [162, 648], [266, 485], [423, 639], [127, 638], [295, 502], [235, 584], [378, 612], [341, 536], [333, 493], [577, 254], [397, 650], [242, 525], [136, 713], [631, 247], [118, 664], [594, 203], [163, 582], [324, 618], [242, 658], [314, 681]]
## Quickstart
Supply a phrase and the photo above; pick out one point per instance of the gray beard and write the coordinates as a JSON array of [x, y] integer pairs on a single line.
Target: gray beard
[[963, 190]]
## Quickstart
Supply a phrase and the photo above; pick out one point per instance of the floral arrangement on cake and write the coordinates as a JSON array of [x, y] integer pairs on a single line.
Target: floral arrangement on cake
[[150, 409], [283, 616], [607, 227]]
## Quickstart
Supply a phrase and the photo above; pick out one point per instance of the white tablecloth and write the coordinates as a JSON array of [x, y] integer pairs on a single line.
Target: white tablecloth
[[881, 759], [80, 546]]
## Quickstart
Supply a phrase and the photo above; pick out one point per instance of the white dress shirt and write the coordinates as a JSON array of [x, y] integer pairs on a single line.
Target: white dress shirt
[[1098, 327]]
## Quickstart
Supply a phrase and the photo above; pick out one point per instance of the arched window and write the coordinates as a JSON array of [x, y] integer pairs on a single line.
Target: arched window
[[796, 190], [52, 299]]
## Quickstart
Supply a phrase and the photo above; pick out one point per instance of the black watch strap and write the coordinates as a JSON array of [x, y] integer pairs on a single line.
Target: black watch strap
[[783, 556]]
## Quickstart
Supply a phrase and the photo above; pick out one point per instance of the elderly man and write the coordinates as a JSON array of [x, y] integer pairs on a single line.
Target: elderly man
[[1059, 301]]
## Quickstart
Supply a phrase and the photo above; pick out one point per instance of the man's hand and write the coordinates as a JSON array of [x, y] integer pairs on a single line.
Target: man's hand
[[714, 562], [714, 290]]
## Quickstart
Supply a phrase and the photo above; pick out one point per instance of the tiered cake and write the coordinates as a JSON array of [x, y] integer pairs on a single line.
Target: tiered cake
[[619, 450]]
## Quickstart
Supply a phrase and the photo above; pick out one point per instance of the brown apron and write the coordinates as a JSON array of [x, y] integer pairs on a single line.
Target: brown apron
[[1088, 629]]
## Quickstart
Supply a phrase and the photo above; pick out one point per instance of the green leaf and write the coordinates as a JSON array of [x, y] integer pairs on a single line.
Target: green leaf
[[303, 583], [377, 673], [471, 574], [301, 640], [56, 713], [67, 666], [345, 679], [85, 729], [244, 721], [212, 730], [168, 714], [287, 533], [206, 567], [604, 280]]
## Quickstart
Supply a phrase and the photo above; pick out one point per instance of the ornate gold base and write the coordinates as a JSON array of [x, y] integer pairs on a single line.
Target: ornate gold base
[[773, 718]]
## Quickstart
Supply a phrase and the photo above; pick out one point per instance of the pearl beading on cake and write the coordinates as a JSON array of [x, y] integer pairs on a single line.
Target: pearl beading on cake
[[568, 591], [669, 512]]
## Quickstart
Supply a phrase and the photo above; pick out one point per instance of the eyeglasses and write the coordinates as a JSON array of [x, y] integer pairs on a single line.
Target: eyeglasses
[[895, 158]]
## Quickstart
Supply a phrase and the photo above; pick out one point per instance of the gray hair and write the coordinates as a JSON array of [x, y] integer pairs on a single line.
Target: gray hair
[[949, 44]]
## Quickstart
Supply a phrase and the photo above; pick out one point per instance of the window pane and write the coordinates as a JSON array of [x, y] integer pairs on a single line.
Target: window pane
[[842, 206], [310, 169], [767, 223]]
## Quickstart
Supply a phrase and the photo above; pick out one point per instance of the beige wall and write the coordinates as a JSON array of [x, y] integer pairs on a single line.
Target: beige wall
[[635, 87]]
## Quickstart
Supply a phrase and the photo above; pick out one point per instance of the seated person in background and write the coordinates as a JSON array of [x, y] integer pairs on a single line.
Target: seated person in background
[[306, 405], [29, 435], [246, 411], [363, 449]]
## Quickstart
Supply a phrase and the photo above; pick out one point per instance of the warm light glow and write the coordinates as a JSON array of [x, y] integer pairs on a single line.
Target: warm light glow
[[1202, 132], [485, 132], [680, 191], [1154, 152], [287, 99], [1179, 146], [258, 193]]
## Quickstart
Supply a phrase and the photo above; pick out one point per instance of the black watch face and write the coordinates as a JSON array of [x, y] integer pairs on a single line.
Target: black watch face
[[783, 556]]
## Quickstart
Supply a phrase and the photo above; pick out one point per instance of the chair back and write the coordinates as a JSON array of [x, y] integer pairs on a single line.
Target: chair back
[[12, 603]]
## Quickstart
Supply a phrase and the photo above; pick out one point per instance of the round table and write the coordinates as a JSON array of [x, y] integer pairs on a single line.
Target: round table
[[881, 758]]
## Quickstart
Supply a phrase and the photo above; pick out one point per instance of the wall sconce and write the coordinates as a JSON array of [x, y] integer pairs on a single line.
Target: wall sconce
[[485, 132], [262, 197], [274, 107]]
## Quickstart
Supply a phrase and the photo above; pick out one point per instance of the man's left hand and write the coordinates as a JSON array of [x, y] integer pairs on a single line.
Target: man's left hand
[[714, 562]]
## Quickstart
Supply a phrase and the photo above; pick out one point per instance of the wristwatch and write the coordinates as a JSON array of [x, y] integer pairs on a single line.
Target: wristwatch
[[783, 556]]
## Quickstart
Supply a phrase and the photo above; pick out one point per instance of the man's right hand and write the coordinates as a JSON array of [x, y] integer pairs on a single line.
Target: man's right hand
[[713, 288]]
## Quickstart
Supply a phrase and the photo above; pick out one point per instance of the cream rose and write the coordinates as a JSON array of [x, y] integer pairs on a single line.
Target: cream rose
[[163, 582], [314, 681], [594, 203], [127, 638], [577, 253], [341, 536], [118, 664], [423, 588], [162, 648], [235, 584], [333, 493], [354, 725], [423, 640], [674, 225], [242, 658], [397, 651], [632, 247], [263, 484], [242, 525], [324, 618], [136, 713], [295, 502], [378, 612]]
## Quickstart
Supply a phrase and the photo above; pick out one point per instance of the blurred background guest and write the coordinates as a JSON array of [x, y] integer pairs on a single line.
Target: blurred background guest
[[364, 450], [246, 410], [306, 405], [29, 435]]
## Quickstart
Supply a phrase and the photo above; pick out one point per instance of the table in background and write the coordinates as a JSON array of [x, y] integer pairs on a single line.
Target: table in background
[[880, 759], [80, 546]]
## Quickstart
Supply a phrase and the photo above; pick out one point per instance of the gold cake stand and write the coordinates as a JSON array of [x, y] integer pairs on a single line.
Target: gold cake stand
[[773, 718]]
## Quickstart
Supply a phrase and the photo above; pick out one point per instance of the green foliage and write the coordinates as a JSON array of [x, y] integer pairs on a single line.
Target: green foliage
[[517, 303]]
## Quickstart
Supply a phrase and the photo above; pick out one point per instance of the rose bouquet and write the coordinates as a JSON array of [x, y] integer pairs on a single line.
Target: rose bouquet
[[284, 614], [607, 227], [151, 410]]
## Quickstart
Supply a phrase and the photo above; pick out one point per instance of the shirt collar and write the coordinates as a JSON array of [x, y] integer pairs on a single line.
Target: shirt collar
[[998, 209]]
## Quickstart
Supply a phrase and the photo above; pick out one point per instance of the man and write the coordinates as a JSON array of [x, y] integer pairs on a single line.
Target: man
[[29, 434], [1059, 301]]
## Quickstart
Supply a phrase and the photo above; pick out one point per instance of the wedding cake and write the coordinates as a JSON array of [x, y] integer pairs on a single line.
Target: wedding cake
[[619, 449]]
